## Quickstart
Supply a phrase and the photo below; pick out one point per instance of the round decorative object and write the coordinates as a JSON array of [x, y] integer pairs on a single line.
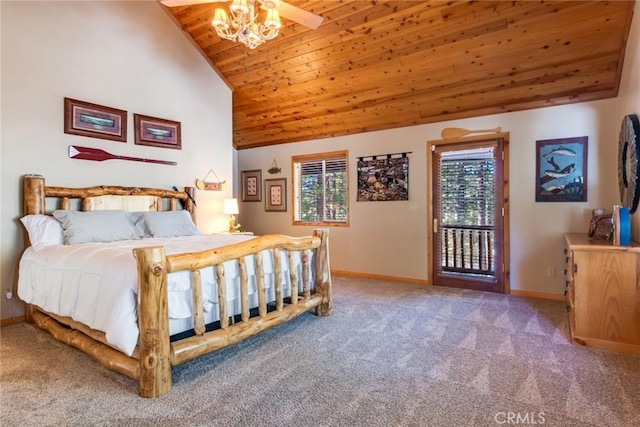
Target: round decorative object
[[628, 166]]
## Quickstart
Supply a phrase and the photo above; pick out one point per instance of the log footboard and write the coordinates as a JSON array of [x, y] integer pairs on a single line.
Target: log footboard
[[157, 354]]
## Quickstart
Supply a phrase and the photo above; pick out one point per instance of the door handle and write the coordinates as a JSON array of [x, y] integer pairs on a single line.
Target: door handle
[[435, 225]]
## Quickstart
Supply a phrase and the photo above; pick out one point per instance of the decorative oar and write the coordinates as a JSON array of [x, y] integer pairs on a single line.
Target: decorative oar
[[450, 133], [95, 154]]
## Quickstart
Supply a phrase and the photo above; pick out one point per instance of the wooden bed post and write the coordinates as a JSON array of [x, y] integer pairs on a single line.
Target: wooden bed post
[[33, 203], [188, 204], [323, 273], [34, 197], [153, 322]]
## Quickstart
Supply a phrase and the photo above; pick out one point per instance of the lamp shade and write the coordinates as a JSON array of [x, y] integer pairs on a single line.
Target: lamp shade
[[230, 207]]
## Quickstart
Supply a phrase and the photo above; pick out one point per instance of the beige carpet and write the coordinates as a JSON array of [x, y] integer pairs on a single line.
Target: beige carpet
[[391, 355]]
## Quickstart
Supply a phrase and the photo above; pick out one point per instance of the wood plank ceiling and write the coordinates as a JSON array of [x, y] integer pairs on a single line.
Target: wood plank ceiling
[[381, 64]]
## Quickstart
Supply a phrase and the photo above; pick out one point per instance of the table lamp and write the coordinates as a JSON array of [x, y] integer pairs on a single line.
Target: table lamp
[[230, 207]]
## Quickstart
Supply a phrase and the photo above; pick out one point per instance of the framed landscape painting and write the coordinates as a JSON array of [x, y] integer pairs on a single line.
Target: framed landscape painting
[[95, 121], [157, 132]]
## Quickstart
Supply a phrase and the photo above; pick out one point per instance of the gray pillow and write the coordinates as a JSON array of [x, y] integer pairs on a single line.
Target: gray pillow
[[168, 224], [136, 219], [94, 226]]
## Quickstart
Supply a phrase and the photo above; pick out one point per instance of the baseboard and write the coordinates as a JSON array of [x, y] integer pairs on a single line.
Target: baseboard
[[12, 321], [539, 295], [381, 277], [514, 292]]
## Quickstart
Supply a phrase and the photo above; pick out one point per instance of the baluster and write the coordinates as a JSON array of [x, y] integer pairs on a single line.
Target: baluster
[[196, 295], [481, 250], [244, 289], [446, 247], [262, 295], [455, 247], [489, 254], [222, 296], [471, 257], [293, 276], [277, 278], [306, 289], [462, 250]]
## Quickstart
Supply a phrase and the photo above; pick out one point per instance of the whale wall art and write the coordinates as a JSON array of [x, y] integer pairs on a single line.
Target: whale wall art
[[561, 170]]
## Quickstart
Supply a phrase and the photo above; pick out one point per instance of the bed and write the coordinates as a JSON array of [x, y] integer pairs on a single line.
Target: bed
[[141, 304]]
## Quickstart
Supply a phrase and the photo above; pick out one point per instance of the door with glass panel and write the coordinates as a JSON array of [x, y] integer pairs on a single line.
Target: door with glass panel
[[468, 215]]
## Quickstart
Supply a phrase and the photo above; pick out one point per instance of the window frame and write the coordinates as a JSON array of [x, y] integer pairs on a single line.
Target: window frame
[[295, 187]]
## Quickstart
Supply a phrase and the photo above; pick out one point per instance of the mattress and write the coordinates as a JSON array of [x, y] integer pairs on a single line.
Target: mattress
[[96, 283]]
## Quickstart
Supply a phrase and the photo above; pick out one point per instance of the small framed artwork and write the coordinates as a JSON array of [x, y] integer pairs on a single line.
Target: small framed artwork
[[251, 186], [157, 132], [275, 195], [561, 170], [95, 121]]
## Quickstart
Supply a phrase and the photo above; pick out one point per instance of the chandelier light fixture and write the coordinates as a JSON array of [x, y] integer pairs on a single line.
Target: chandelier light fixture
[[241, 23]]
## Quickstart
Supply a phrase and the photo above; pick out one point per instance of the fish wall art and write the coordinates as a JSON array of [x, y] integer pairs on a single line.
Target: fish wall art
[[561, 170]]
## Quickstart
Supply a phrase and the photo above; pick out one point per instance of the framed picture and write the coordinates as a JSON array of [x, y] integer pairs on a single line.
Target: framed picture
[[561, 170], [95, 121], [275, 195], [157, 132], [251, 186]]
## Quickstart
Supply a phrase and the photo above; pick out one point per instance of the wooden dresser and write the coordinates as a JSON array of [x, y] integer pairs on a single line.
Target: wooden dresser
[[603, 293]]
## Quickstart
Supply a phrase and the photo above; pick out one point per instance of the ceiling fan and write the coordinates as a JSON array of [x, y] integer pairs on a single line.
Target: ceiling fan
[[285, 9]]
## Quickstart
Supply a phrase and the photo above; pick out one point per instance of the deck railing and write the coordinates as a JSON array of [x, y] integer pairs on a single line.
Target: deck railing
[[468, 249]]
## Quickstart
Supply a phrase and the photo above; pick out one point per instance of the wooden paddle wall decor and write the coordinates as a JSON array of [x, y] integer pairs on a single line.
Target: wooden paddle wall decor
[[452, 133], [98, 155]]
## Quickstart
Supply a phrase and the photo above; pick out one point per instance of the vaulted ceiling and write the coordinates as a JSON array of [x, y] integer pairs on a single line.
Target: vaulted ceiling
[[374, 65]]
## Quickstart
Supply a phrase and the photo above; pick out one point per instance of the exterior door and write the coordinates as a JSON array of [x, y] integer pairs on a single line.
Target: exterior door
[[468, 203]]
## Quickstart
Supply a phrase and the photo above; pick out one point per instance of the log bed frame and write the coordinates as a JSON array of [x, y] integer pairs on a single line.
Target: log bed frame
[[155, 355]]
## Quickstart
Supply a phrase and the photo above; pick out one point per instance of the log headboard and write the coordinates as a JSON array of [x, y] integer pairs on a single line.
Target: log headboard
[[101, 197]]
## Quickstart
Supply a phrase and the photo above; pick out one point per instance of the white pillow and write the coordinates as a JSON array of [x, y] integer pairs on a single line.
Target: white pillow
[[44, 230], [168, 223], [94, 226]]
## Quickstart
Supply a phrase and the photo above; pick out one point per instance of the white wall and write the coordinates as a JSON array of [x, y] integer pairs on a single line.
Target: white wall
[[388, 239], [127, 55]]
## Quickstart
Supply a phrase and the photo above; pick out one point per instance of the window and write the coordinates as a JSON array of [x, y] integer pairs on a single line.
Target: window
[[320, 189]]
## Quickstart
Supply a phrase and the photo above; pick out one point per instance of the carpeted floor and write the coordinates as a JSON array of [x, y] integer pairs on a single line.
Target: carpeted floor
[[391, 355]]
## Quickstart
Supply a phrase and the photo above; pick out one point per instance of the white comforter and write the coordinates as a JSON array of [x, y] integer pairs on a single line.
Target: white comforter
[[96, 283]]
